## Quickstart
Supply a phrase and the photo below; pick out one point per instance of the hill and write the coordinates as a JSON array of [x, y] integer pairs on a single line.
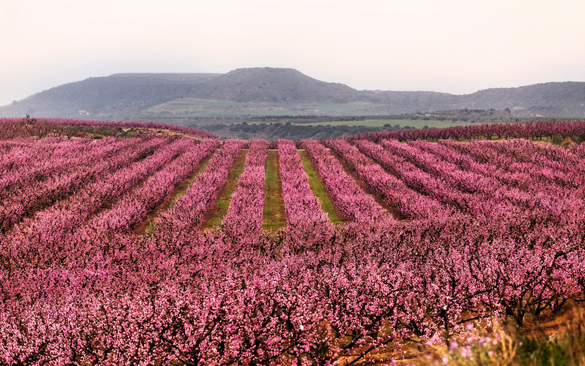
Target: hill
[[259, 85], [273, 91], [115, 96], [564, 99], [546, 99]]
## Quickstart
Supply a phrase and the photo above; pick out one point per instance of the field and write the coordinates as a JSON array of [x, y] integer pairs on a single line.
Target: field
[[184, 250], [190, 107], [392, 122]]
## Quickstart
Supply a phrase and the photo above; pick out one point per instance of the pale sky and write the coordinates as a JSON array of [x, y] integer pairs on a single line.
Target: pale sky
[[456, 46]]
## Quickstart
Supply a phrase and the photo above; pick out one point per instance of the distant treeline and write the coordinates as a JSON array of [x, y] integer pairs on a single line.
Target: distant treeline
[[463, 115], [459, 115], [277, 130]]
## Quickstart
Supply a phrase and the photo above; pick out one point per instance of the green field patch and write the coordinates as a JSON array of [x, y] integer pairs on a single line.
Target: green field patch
[[192, 107], [319, 189], [392, 122], [274, 215], [218, 211]]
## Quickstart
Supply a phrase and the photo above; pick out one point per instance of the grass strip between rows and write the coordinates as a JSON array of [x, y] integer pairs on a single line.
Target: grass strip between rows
[[318, 189], [191, 180], [224, 196], [182, 190], [274, 216]]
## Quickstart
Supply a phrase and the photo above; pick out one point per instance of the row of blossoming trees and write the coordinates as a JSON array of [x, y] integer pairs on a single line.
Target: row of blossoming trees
[[18, 127], [476, 229], [527, 130]]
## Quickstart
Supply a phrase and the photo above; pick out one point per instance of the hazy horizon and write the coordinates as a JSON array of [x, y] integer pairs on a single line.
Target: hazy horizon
[[446, 46]]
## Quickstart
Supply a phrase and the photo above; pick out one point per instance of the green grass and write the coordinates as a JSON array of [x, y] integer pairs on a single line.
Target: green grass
[[274, 214], [224, 196], [190, 107], [318, 188]]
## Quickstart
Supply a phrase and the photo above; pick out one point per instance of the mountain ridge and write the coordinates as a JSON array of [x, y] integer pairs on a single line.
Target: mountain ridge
[[272, 85], [133, 95]]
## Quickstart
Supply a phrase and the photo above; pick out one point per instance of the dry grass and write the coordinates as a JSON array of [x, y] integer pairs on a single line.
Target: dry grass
[[558, 340]]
